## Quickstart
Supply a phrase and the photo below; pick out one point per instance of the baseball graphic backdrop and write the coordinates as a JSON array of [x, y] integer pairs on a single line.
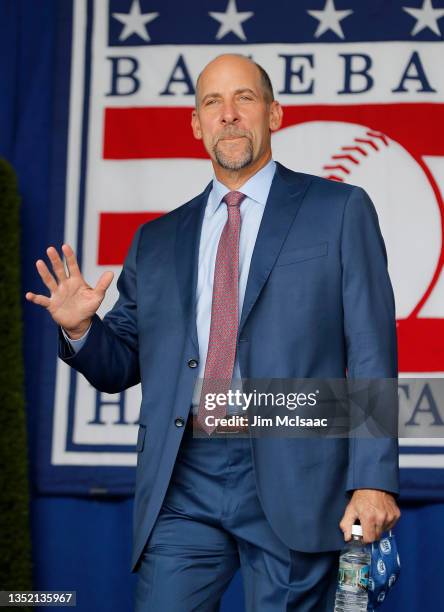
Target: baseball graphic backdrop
[[362, 88]]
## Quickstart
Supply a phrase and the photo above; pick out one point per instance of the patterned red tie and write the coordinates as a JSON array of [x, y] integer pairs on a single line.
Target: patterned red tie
[[224, 313]]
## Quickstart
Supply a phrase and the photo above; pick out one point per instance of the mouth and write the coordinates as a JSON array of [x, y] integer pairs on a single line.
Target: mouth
[[231, 138]]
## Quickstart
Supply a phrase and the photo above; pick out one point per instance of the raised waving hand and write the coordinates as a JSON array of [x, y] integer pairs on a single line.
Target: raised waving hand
[[72, 302]]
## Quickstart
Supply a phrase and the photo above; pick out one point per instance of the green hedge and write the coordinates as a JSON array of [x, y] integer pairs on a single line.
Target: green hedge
[[15, 546]]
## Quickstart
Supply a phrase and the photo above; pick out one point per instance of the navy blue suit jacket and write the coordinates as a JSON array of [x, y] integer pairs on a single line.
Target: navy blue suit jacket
[[318, 303]]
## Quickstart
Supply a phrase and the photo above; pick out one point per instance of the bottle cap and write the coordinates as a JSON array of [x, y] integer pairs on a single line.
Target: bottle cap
[[357, 530]]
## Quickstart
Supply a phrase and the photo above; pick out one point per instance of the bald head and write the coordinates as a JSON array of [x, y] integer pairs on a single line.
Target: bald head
[[235, 114], [229, 61]]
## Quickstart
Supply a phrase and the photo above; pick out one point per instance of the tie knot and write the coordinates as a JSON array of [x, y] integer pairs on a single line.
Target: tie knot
[[234, 198]]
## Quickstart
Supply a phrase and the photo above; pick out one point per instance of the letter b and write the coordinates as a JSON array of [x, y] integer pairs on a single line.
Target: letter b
[[124, 81], [350, 71]]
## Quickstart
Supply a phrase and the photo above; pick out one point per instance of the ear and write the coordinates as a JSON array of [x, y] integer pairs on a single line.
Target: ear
[[276, 114], [195, 125]]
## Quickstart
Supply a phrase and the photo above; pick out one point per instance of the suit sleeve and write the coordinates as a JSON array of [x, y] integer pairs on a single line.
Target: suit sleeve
[[370, 334], [109, 357]]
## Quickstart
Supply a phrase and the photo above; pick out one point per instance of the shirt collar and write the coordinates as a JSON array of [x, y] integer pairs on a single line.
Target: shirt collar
[[256, 188]]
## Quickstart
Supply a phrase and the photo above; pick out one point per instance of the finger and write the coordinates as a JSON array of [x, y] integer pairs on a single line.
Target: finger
[[350, 515], [391, 512], [57, 264], [46, 275], [71, 260], [391, 524], [394, 513], [379, 530], [41, 300], [368, 530], [104, 282]]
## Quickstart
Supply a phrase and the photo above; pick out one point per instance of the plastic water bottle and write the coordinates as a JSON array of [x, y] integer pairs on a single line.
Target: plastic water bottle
[[354, 567]]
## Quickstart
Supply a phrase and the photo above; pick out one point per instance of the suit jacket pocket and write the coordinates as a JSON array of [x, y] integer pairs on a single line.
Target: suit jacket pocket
[[298, 254], [141, 438]]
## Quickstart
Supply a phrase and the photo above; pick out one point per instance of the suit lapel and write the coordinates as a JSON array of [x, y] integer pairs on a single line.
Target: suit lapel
[[187, 252], [284, 200]]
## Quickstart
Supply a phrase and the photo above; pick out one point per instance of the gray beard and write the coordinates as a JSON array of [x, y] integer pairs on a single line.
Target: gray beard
[[234, 164]]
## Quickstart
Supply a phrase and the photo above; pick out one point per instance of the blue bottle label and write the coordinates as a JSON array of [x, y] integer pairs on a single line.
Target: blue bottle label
[[353, 577]]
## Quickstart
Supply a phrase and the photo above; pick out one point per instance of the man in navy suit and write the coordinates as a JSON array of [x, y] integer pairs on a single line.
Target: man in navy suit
[[268, 273]]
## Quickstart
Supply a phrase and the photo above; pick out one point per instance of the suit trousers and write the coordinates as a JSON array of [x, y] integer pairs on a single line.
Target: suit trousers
[[210, 524]]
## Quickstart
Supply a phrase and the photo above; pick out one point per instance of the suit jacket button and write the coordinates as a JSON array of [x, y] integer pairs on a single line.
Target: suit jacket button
[[193, 363], [179, 422]]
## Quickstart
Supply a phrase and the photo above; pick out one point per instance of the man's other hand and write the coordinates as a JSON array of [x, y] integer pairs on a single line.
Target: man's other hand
[[376, 510]]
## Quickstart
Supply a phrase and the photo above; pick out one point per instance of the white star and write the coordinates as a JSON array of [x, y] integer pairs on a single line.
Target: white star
[[231, 21], [329, 19], [135, 22], [426, 17]]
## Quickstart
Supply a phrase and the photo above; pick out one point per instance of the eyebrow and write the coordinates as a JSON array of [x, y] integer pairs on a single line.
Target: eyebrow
[[237, 92]]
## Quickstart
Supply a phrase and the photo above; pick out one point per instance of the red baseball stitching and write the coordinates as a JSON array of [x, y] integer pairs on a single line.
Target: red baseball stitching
[[353, 154]]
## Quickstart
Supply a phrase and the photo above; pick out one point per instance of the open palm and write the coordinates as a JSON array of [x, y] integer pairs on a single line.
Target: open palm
[[72, 302]]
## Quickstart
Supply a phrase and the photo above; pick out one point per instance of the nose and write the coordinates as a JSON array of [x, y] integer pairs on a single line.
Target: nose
[[229, 113]]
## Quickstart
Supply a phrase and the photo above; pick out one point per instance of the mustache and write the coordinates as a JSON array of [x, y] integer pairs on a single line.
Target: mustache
[[232, 133]]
